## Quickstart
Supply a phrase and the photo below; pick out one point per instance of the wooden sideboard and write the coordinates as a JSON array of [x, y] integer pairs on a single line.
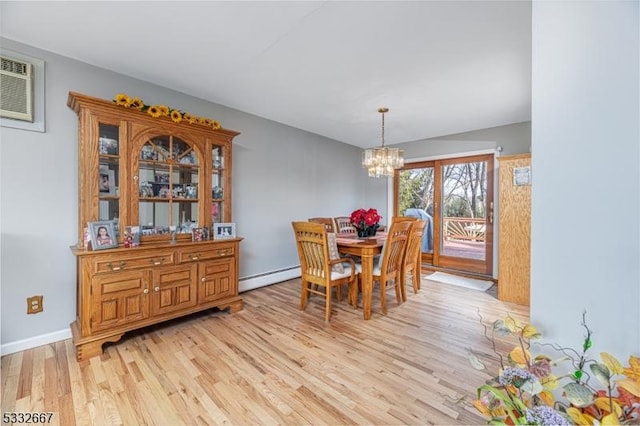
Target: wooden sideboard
[[169, 177], [124, 289]]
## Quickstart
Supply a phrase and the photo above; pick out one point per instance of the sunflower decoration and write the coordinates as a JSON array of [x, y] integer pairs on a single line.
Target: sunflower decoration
[[176, 116], [189, 118], [137, 103], [123, 100], [164, 110], [157, 111], [154, 111]]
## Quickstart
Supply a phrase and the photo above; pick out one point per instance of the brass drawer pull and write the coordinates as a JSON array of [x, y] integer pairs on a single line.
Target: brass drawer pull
[[146, 291], [194, 256], [156, 288], [157, 262], [116, 268], [223, 252]]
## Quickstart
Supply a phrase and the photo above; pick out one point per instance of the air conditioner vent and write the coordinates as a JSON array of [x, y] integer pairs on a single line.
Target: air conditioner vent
[[16, 100], [15, 67]]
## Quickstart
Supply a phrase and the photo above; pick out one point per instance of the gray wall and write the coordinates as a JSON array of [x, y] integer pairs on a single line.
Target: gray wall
[[586, 183], [280, 174], [514, 139]]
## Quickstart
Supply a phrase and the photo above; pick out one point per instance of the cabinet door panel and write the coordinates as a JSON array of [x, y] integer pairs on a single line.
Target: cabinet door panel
[[217, 280], [174, 289], [119, 299]]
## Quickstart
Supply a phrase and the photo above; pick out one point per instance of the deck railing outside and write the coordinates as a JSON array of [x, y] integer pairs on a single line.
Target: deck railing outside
[[464, 228]]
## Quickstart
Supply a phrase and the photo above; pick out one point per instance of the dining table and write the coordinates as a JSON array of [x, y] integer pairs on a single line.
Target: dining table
[[366, 249]]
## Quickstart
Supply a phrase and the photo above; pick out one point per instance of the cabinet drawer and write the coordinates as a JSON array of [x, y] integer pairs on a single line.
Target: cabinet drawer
[[194, 254], [134, 260]]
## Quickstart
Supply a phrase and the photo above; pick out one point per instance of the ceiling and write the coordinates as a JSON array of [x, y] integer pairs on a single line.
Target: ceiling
[[441, 67]]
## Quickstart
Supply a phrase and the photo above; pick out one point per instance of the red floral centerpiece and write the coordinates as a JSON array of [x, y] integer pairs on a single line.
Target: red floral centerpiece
[[366, 222]]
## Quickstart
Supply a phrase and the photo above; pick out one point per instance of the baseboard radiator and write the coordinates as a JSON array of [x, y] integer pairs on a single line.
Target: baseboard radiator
[[267, 278]]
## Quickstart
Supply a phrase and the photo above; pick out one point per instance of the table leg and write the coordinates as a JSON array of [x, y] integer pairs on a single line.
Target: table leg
[[366, 280]]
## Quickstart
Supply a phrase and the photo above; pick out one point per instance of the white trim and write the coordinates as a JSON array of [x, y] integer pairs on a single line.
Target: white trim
[[251, 283], [246, 284], [456, 155], [33, 342]]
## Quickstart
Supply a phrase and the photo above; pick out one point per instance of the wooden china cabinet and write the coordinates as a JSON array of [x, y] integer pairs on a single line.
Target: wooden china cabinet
[[166, 178]]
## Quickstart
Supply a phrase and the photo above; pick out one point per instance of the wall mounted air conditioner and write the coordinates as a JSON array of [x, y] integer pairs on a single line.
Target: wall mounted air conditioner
[[16, 99]]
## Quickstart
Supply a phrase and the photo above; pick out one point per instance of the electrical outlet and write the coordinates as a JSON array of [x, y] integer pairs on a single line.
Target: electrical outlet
[[34, 304]]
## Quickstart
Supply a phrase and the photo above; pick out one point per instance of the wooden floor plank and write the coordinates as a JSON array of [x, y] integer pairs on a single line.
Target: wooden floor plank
[[271, 363]]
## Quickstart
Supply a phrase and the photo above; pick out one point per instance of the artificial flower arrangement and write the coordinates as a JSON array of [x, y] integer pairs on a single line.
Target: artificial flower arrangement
[[365, 221], [157, 111], [523, 392]]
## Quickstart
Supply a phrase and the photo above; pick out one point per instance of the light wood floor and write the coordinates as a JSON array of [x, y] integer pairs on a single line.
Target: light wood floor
[[273, 364]]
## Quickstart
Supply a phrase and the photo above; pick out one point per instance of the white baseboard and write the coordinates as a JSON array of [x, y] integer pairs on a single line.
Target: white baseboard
[[245, 284], [268, 278], [34, 342]]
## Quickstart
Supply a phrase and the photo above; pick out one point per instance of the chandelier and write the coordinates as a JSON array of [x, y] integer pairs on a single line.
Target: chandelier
[[382, 161]]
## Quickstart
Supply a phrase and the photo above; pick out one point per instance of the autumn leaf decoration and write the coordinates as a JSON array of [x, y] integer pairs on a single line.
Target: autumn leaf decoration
[[522, 393]]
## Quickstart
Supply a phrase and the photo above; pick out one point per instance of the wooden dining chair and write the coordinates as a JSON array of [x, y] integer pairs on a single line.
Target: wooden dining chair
[[387, 272], [404, 218], [344, 226], [326, 221], [411, 263], [321, 265]]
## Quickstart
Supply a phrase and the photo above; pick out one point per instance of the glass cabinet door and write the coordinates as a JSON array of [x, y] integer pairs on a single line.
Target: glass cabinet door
[[168, 188], [217, 184], [108, 172]]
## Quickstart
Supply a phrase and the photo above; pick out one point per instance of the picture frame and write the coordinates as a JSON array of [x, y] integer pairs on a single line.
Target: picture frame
[[108, 146], [522, 176], [107, 182], [200, 234], [132, 236], [224, 231], [103, 235]]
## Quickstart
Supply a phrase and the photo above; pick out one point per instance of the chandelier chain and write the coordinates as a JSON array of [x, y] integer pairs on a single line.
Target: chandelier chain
[[383, 129]]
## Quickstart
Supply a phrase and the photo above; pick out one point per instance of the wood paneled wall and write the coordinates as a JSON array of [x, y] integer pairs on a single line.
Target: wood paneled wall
[[514, 252]]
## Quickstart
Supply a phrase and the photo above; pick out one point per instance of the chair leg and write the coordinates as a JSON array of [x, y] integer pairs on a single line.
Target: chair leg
[[399, 290], [403, 286], [353, 292], [417, 276], [383, 297], [327, 313], [304, 295]]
